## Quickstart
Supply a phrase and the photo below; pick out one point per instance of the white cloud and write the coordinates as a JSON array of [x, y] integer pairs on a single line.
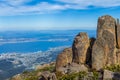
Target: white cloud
[[18, 7], [96, 3], [15, 2]]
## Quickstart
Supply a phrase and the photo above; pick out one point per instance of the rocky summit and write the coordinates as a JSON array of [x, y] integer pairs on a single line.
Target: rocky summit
[[89, 58], [105, 49], [97, 53]]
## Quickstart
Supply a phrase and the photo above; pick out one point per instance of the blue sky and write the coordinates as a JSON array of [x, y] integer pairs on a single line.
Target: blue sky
[[54, 14]]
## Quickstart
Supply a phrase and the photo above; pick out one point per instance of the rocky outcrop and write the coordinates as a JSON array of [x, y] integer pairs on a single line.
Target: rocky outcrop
[[109, 75], [73, 60], [64, 59], [95, 57], [80, 48], [74, 67], [104, 49], [48, 76], [96, 53]]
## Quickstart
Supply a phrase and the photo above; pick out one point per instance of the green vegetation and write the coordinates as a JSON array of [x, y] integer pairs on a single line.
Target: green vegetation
[[82, 74], [32, 78], [114, 68], [33, 75], [71, 76], [58, 74], [25, 72], [50, 68], [95, 75]]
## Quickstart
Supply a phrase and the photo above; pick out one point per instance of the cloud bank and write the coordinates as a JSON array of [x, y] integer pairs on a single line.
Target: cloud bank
[[22, 7]]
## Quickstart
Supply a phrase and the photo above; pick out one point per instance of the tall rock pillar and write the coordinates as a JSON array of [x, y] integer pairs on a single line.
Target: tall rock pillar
[[104, 48], [80, 48]]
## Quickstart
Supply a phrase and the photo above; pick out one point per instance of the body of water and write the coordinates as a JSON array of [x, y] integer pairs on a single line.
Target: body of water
[[23, 50]]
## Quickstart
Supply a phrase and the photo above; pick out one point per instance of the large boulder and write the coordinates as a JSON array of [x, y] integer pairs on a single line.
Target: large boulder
[[104, 48], [80, 48], [109, 75], [64, 59], [73, 68], [48, 76]]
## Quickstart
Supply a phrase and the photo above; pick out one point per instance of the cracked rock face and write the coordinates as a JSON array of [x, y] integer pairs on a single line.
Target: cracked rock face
[[109, 75], [96, 53], [104, 49], [64, 58], [80, 48]]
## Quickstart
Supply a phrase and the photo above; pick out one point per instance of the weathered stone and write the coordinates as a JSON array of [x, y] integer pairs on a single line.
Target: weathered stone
[[105, 23], [98, 55], [104, 48], [48, 76], [64, 58], [45, 75], [118, 56], [73, 67], [109, 75], [80, 48], [53, 76]]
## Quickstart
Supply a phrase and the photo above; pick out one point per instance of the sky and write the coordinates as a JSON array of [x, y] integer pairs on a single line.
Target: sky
[[54, 14]]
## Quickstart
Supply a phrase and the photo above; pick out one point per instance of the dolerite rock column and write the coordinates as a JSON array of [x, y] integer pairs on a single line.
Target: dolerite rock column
[[104, 48], [80, 48]]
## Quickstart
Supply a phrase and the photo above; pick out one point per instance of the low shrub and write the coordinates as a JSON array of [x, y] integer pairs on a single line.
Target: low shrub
[[114, 68], [71, 76]]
